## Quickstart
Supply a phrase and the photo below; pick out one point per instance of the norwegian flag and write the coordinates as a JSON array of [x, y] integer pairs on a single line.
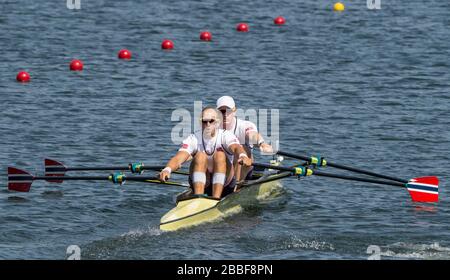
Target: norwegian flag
[[424, 189]]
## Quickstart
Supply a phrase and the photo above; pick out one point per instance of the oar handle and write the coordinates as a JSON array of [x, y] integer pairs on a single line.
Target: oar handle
[[344, 167]]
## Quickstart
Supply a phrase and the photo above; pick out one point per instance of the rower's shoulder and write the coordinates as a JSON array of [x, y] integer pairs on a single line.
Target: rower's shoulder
[[192, 137], [243, 124], [244, 121]]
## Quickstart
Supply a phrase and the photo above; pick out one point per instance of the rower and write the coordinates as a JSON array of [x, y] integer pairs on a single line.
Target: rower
[[244, 130], [213, 151]]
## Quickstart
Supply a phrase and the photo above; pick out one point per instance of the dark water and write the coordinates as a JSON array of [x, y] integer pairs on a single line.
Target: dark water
[[367, 88]]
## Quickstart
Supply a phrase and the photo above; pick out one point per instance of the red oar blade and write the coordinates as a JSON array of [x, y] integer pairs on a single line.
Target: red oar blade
[[54, 168], [19, 180], [424, 189]]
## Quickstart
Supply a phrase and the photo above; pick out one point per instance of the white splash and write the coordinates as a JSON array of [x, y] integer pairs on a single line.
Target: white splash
[[151, 231], [416, 251]]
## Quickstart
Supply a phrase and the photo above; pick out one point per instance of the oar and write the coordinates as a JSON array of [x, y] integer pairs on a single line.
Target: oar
[[20, 180], [55, 168], [322, 162], [422, 189]]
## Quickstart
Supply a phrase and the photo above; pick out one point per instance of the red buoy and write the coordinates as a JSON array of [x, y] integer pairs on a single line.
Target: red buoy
[[242, 27], [23, 77], [167, 45], [124, 54], [206, 36], [76, 65], [279, 20]]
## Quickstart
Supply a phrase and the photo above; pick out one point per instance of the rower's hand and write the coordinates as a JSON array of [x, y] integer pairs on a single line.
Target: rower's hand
[[164, 175], [244, 160], [266, 148]]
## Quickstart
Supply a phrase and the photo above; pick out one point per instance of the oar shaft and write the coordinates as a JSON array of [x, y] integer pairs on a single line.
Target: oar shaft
[[366, 172], [344, 167], [20, 180], [324, 174], [73, 178], [61, 169], [276, 167], [141, 178], [93, 178], [99, 168], [291, 155], [352, 178]]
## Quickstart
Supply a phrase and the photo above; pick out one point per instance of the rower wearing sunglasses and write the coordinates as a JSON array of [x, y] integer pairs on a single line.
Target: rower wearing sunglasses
[[244, 130], [213, 151]]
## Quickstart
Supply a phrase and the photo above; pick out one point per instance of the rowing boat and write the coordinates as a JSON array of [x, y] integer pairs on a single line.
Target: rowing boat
[[192, 210]]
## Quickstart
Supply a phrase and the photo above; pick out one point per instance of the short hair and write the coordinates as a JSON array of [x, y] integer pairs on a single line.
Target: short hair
[[210, 108]]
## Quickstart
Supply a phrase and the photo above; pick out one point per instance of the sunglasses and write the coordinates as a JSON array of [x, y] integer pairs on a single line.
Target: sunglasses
[[211, 121]]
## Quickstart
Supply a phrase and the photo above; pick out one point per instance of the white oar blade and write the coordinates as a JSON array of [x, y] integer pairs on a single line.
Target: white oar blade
[[424, 189]]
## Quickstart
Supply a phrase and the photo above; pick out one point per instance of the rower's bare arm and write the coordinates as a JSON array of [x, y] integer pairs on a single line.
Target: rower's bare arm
[[174, 164], [253, 137], [240, 154], [257, 139]]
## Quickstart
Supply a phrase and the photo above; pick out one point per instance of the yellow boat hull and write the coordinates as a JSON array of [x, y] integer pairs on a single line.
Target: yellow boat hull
[[199, 210]]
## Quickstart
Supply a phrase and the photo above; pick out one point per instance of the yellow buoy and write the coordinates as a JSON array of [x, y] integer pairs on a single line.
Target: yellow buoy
[[339, 7]]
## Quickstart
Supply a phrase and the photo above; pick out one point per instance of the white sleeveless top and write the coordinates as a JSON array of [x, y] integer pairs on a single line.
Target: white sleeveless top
[[241, 129], [221, 142]]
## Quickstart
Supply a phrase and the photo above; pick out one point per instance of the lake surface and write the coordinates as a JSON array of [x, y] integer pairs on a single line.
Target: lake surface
[[367, 88]]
